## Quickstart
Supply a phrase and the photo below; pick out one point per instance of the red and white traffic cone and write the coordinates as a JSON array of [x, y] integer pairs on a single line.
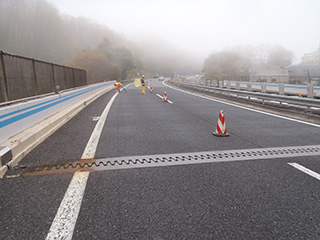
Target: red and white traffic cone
[[221, 130], [150, 89], [165, 97]]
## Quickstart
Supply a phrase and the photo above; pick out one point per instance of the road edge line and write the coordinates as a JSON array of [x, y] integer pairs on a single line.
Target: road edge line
[[65, 220]]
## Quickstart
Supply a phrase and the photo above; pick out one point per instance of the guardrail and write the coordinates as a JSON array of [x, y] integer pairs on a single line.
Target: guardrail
[[308, 90], [281, 99]]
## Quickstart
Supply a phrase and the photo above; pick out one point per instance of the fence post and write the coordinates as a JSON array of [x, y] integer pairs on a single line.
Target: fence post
[[65, 78], [6, 92], [249, 86], [35, 78], [53, 78], [74, 78]]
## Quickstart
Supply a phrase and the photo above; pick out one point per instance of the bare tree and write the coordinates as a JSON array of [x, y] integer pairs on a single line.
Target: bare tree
[[224, 64], [280, 56]]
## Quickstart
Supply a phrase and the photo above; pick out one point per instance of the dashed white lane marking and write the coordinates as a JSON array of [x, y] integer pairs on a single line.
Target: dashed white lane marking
[[305, 170], [162, 98], [65, 220]]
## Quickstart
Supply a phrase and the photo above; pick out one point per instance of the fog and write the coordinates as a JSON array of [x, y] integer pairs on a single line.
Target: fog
[[204, 26], [121, 39]]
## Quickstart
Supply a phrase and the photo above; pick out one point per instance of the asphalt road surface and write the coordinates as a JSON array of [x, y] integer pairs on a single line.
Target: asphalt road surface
[[272, 198]]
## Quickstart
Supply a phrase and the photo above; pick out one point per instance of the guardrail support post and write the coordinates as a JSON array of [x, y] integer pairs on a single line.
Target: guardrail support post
[[263, 87], [228, 85], [238, 85], [310, 90], [249, 86], [281, 88], [215, 83]]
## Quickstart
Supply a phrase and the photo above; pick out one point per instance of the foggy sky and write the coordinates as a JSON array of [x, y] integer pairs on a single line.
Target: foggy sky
[[204, 26]]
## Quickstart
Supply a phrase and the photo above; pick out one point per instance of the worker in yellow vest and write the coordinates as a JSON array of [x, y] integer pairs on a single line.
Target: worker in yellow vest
[[118, 85], [143, 85]]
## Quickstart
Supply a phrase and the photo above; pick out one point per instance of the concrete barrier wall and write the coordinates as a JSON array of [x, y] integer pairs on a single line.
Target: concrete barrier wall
[[22, 77]]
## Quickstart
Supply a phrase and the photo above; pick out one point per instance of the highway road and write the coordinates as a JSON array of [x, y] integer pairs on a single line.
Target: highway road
[[236, 187]]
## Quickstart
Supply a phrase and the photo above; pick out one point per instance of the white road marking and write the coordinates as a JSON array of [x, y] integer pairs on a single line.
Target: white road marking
[[95, 119], [246, 108], [92, 144], [305, 170], [162, 98], [65, 220]]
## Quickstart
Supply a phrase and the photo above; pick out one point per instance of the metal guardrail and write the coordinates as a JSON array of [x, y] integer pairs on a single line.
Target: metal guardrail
[[294, 100]]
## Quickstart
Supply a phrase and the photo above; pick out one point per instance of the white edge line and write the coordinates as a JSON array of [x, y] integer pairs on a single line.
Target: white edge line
[[66, 217], [159, 96], [250, 109], [162, 98], [65, 220], [305, 170], [92, 144]]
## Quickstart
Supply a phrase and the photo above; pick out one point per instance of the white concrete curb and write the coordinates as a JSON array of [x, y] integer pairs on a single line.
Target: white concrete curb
[[22, 143]]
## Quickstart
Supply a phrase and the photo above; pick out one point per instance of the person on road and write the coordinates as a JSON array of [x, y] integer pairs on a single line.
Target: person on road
[[119, 85], [143, 84]]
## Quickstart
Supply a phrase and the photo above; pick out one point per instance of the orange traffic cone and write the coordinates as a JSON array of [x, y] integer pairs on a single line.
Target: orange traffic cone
[[165, 97], [221, 130]]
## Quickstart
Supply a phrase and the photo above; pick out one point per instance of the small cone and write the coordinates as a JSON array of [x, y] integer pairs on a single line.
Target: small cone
[[150, 89], [221, 130], [165, 97]]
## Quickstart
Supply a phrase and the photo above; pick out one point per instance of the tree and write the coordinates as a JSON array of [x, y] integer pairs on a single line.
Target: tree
[[223, 64], [123, 58], [280, 56], [97, 65]]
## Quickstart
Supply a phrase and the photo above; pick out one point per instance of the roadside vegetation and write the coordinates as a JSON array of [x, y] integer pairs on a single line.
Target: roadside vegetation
[[237, 61], [36, 29]]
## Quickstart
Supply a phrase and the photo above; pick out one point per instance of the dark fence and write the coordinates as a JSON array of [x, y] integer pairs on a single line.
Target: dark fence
[[22, 77]]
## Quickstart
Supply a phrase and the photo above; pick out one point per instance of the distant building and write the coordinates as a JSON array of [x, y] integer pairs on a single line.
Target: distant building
[[268, 73], [298, 74], [311, 58], [307, 71]]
